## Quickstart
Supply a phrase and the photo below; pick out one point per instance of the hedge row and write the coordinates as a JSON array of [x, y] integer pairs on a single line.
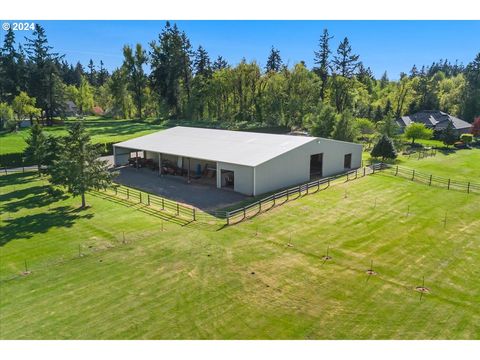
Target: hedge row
[[17, 159]]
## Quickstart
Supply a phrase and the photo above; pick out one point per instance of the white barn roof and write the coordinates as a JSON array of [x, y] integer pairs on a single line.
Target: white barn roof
[[235, 147]]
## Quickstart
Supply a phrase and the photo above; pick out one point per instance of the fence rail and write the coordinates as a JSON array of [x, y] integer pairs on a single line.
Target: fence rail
[[432, 180]]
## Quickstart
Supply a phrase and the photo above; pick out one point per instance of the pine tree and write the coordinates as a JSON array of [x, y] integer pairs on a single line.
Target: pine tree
[[448, 135], [384, 80], [91, 73], [201, 63], [78, 168], [9, 70], [274, 61], [36, 150], [102, 74], [384, 148], [345, 62], [43, 84], [219, 64], [322, 60]]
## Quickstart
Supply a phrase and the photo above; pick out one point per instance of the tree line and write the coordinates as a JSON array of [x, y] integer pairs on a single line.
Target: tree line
[[338, 97]]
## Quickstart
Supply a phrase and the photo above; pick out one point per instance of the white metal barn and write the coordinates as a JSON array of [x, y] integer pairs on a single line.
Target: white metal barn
[[249, 163]]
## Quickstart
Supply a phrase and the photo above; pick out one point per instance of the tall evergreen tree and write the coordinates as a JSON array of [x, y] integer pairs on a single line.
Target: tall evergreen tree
[[384, 148], [274, 61], [36, 150], [345, 130], [92, 73], [137, 79], [471, 104], [201, 63], [78, 168], [102, 74], [171, 67], [9, 70], [219, 64], [345, 62], [322, 60], [43, 84]]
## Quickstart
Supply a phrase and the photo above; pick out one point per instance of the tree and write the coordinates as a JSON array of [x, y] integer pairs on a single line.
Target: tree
[[365, 126], [384, 148], [43, 84], [345, 62], [476, 127], [137, 80], [9, 68], [102, 75], [36, 150], [24, 106], [121, 100], [170, 60], [344, 130], [274, 61], [466, 138], [471, 105], [416, 131], [78, 168], [322, 122], [448, 135], [92, 73], [7, 119], [201, 63], [219, 64], [84, 99], [322, 60]]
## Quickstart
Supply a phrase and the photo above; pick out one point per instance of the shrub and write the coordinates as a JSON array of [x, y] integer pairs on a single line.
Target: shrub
[[466, 138], [384, 148]]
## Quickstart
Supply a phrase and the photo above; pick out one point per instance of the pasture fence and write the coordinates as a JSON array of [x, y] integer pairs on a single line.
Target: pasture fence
[[433, 180]]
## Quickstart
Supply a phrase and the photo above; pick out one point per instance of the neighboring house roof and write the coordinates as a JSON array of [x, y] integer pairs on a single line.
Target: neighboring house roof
[[235, 147], [434, 119]]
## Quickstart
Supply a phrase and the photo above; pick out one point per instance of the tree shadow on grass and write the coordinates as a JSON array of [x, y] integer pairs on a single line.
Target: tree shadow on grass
[[40, 199], [22, 193], [17, 178], [31, 225]]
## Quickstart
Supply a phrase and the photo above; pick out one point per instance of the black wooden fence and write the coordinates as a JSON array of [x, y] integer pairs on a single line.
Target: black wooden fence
[[433, 180]]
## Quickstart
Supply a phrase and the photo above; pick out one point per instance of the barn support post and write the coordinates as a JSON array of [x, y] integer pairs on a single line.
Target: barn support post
[[159, 164], [136, 159]]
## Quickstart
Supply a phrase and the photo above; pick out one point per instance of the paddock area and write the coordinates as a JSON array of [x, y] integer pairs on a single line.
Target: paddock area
[[197, 192]]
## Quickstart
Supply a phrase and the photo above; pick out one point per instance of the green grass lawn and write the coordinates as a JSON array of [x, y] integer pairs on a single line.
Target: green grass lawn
[[191, 282], [462, 165], [101, 130]]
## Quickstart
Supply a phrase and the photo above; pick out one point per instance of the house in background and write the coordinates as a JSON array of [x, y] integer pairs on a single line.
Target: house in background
[[435, 120]]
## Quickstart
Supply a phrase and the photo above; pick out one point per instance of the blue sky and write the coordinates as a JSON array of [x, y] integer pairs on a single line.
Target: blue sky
[[393, 46]]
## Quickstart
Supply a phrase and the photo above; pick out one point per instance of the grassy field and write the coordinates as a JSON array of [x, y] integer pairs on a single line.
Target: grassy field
[[102, 131], [243, 282]]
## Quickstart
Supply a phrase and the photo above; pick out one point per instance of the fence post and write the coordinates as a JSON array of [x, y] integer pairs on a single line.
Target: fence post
[[140, 196], [260, 205], [356, 173], [115, 191], [430, 181], [5, 170], [163, 204], [23, 169], [396, 171], [318, 185], [178, 209], [228, 217], [244, 213], [299, 190], [328, 182], [448, 187], [373, 169], [288, 194], [413, 174], [468, 188], [274, 198], [194, 217], [128, 194], [148, 199]]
